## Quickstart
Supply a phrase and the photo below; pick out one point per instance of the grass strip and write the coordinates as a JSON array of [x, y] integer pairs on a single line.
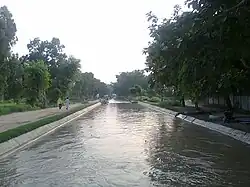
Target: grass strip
[[12, 133]]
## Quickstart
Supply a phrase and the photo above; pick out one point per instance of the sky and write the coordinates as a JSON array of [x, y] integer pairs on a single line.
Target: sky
[[107, 35]]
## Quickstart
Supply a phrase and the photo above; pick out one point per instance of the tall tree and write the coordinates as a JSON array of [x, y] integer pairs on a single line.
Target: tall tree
[[36, 81], [127, 80], [63, 69], [87, 86], [7, 40], [198, 52], [14, 87]]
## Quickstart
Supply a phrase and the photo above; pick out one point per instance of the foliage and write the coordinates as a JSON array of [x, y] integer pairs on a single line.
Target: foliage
[[128, 80], [138, 89], [154, 99], [7, 40], [168, 103], [87, 85], [10, 107], [132, 90], [45, 73], [14, 86], [36, 81], [198, 53], [62, 69]]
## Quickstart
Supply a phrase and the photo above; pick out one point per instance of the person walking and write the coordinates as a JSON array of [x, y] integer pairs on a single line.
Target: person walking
[[67, 103], [59, 103]]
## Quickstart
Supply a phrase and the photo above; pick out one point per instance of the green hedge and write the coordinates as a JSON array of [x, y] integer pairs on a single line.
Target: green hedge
[[12, 133], [149, 99], [166, 104], [7, 108]]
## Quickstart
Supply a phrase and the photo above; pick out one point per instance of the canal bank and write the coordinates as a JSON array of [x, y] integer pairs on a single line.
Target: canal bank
[[234, 133], [20, 142]]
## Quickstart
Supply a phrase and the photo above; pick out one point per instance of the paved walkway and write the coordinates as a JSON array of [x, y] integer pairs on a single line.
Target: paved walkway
[[20, 118]]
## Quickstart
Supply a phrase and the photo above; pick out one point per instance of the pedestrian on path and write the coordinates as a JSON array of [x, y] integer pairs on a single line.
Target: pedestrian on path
[[67, 103], [59, 103]]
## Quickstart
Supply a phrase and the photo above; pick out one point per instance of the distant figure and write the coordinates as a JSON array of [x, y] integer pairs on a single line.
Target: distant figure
[[97, 96], [67, 103], [59, 103]]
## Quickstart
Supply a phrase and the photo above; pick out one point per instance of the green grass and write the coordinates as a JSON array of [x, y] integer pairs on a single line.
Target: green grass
[[7, 108], [12, 133], [166, 103]]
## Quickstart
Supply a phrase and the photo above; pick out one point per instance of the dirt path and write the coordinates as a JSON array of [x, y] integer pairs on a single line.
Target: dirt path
[[17, 119]]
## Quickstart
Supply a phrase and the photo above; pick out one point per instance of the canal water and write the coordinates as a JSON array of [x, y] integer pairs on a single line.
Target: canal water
[[122, 144]]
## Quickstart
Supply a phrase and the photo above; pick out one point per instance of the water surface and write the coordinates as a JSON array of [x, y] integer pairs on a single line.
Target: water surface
[[123, 144]]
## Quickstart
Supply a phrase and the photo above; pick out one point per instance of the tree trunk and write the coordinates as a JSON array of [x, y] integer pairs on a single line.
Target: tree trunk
[[2, 89], [228, 102], [182, 101], [196, 104]]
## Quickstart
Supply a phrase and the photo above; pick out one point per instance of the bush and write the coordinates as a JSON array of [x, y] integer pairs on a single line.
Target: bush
[[166, 104], [7, 108], [143, 98], [154, 99]]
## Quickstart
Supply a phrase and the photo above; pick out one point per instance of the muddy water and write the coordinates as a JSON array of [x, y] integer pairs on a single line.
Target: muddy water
[[128, 145]]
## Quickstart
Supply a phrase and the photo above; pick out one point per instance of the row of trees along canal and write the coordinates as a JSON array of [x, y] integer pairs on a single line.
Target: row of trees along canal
[[203, 52], [136, 84], [44, 74], [196, 53]]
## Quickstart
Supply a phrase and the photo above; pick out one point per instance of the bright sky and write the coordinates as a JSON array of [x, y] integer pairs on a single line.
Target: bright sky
[[107, 35]]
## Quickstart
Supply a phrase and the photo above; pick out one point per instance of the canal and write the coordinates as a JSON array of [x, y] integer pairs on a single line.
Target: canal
[[127, 145]]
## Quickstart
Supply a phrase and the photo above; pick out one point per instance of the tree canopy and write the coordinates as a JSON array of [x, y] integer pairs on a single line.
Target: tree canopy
[[126, 81], [201, 52], [87, 86], [45, 73], [7, 40]]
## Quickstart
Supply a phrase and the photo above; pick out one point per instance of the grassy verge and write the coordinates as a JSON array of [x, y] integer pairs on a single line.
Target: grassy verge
[[12, 133], [7, 108], [168, 103]]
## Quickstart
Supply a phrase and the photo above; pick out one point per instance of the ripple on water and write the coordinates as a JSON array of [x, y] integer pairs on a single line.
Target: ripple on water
[[127, 145]]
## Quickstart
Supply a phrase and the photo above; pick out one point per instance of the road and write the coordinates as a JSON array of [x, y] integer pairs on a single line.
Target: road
[[128, 145]]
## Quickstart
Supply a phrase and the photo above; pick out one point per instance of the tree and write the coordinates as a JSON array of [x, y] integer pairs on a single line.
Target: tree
[[198, 52], [63, 69], [14, 86], [138, 89], [36, 81], [68, 72], [132, 90], [127, 80], [45, 73], [87, 86], [7, 40]]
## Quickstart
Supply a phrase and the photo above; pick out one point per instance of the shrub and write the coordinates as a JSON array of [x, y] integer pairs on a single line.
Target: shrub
[[165, 104], [143, 98], [7, 108], [154, 99]]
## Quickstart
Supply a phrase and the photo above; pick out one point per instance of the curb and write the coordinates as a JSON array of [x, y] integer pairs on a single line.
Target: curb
[[22, 141], [233, 133]]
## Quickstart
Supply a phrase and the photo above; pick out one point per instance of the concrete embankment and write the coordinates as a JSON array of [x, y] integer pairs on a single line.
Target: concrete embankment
[[15, 144], [236, 134]]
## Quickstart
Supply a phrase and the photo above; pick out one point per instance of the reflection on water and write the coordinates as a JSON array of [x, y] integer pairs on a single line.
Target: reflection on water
[[123, 144]]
